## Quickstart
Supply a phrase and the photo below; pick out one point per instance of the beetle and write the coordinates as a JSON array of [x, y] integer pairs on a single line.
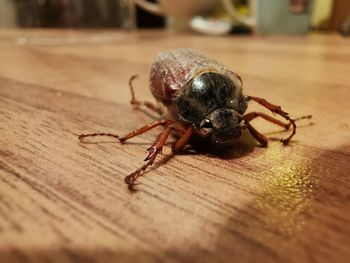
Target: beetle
[[204, 99]]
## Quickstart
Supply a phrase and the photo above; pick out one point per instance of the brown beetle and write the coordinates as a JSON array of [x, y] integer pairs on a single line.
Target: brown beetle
[[204, 99]]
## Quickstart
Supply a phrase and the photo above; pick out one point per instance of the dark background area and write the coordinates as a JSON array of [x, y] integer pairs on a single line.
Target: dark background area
[[80, 14]]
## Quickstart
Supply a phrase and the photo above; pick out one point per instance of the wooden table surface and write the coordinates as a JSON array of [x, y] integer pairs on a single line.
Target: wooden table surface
[[65, 201]]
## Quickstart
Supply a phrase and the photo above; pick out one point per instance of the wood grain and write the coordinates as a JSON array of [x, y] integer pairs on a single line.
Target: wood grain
[[65, 201]]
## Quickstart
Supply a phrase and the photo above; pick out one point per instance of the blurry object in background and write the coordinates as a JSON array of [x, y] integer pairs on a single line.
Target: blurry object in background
[[211, 26], [344, 28], [148, 20], [212, 17], [7, 14], [206, 17], [234, 8], [331, 15], [284, 16], [321, 14], [340, 12], [219, 22], [71, 13], [275, 16], [179, 13], [298, 6]]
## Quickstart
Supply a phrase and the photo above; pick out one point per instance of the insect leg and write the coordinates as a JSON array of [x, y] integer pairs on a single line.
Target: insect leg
[[181, 143], [136, 102], [274, 108], [145, 129], [257, 135], [278, 110], [154, 150], [131, 134], [82, 136], [252, 115]]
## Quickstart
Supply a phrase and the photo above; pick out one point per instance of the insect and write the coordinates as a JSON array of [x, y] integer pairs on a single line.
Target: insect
[[203, 98]]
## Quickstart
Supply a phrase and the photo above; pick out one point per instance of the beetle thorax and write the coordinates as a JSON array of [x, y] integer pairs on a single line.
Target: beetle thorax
[[206, 93]]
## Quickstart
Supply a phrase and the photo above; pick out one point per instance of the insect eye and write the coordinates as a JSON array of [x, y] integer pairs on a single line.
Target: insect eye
[[207, 124], [206, 128]]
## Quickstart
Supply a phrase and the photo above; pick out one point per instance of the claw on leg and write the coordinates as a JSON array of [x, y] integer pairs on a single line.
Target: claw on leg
[[157, 147], [154, 150], [276, 110]]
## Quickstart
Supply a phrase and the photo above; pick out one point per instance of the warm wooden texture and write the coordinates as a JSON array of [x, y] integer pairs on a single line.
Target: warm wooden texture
[[64, 201]]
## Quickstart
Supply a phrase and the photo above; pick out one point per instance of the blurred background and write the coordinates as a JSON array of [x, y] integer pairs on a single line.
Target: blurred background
[[212, 17]]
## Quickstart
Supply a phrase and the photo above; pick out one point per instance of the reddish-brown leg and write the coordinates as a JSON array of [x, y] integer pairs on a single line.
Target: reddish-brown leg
[[274, 108], [181, 143], [257, 135], [82, 136], [154, 150], [252, 115], [136, 102], [278, 110], [157, 147], [145, 129], [131, 134]]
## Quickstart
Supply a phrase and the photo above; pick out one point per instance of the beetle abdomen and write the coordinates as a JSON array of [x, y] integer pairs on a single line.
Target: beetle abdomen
[[172, 70]]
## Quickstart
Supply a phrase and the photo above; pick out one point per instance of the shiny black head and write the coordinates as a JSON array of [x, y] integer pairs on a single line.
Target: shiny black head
[[222, 126], [214, 103]]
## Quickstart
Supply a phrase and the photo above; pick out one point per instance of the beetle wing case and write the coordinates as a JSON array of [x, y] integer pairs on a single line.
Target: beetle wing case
[[174, 69]]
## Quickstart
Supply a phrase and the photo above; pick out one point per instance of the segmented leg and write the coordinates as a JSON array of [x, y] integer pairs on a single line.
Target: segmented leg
[[154, 150], [82, 136], [257, 135], [181, 143], [157, 147], [145, 129], [252, 115], [131, 134], [136, 102], [278, 110]]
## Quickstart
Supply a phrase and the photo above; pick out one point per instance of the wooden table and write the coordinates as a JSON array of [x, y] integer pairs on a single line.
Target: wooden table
[[65, 201]]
